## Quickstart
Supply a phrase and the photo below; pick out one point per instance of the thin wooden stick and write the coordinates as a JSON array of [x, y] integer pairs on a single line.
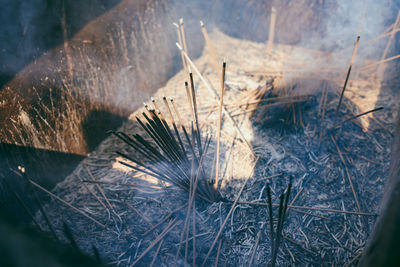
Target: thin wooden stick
[[353, 260], [157, 251], [38, 202], [221, 103], [294, 114], [67, 204], [140, 214], [347, 172], [381, 66], [293, 207], [183, 36], [176, 111], [163, 220], [190, 100], [169, 110], [269, 105], [101, 191], [253, 254], [300, 116], [259, 96], [228, 215], [168, 229], [348, 75], [178, 32], [194, 233], [324, 104], [196, 120], [269, 177], [271, 35], [258, 101], [379, 62], [93, 193], [356, 116], [311, 214], [218, 253], [217, 97], [321, 99]]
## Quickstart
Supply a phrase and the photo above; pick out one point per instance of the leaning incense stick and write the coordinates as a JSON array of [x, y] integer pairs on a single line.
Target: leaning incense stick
[[221, 103], [183, 35], [357, 116], [210, 48], [67, 204], [347, 76], [38, 202], [178, 32]]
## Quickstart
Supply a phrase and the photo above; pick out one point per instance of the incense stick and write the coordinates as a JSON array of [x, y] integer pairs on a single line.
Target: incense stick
[[255, 248], [183, 35], [294, 207], [67, 204], [178, 32], [347, 173], [271, 35], [217, 97], [22, 203], [221, 103], [357, 116], [168, 229], [347, 76], [210, 48], [176, 111], [189, 97], [193, 93], [38, 202]]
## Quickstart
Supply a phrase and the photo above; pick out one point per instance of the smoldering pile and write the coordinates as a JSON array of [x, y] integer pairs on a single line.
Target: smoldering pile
[[267, 134]]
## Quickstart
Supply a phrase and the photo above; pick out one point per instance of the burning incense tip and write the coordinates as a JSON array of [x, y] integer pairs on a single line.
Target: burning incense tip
[[201, 23], [171, 99], [152, 99], [273, 10], [164, 97], [179, 46], [175, 24], [21, 169], [181, 21]]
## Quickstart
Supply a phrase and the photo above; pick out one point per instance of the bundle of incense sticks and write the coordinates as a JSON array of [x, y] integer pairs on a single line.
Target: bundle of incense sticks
[[276, 235], [173, 156]]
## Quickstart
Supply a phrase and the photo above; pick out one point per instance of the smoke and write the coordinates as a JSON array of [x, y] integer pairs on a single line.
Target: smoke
[[345, 19], [332, 27]]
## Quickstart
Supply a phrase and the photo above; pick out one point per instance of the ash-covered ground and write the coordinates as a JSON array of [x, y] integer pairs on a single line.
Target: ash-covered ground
[[290, 128]]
